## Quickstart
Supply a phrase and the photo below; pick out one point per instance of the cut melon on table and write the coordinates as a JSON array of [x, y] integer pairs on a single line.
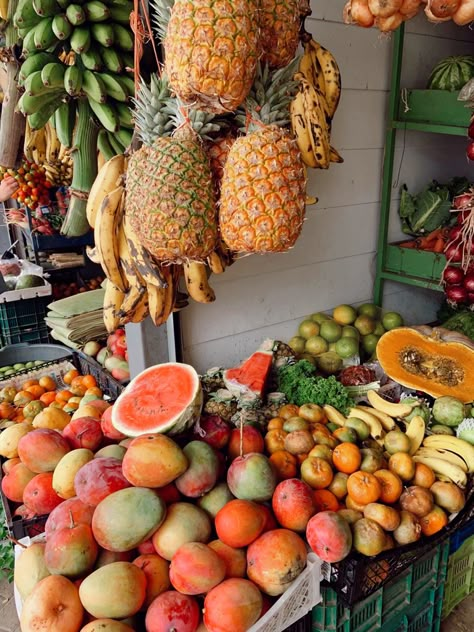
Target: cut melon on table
[[166, 398], [252, 375]]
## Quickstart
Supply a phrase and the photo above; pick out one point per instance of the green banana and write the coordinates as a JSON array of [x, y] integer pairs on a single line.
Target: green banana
[[81, 39], [123, 37], [114, 88], [103, 33], [92, 59], [125, 115], [38, 119], [52, 75], [34, 85], [29, 47], [104, 146], [96, 11], [25, 16], [45, 8], [94, 87], [44, 36], [128, 59], [128, 84], [62, 28], [125, 137], [63, 3], [121, 13], [65, 119], [75, 14], [106, 115], [115, 143], [33, 64], [28, 104], [111, 59], [73, 80]]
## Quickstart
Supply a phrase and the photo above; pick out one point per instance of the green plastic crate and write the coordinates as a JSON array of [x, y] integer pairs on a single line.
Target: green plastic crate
[[23, 321], [330, 616], [419, 264], [395, 599], [459, 578], [430, 570], [439, 107]]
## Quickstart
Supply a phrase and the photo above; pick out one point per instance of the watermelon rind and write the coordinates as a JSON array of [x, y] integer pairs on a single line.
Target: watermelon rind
[[126, 408], [452, 73]]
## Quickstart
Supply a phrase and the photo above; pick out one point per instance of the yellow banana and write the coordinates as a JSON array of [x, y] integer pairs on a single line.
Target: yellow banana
[[92, 254], [100, 160], [375, 427], [387, 422], [331, 74], [416, 432], [310, 67], [316, 123], [454, 444], [131, 300], [445, 455], [195, 276], [141, 310], [216, 263], [394, 410], [439, 466], [4, 9], [106, 237], [156, 303], [53, 145], [113, 299], [335, 156], [150, 271], [334, 415], [301, 130], [106, 181]]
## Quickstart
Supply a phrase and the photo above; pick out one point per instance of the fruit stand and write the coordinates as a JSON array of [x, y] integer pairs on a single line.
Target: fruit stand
[[318, 472]]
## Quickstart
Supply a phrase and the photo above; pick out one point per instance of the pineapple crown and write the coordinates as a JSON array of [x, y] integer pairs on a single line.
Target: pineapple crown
[[270, 95], [161, 11]]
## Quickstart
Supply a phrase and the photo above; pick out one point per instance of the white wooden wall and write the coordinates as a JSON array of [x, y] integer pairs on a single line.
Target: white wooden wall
[[333, 261]]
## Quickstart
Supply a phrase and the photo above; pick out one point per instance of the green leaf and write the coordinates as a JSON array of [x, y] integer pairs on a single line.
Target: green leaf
[[407, 203], [439, 217], [426, 205]]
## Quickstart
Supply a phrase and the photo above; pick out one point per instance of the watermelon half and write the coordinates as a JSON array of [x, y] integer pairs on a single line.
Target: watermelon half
[[166, 398], [252, 375]]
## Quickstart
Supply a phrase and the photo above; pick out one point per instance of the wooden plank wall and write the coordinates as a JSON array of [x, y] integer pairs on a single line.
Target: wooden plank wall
[[333, 261]]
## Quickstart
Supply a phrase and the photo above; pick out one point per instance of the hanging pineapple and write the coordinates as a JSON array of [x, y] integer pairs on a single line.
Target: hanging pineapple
[[211, 50], [279, 22], [262, 202]]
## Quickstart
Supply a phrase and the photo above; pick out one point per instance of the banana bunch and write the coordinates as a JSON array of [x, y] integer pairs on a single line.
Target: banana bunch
[[4, 9], [43, 147], [314, 105], [78, 50]]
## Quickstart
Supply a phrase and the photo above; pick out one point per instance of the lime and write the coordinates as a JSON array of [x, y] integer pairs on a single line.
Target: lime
[[19, 366], [308, 357], [369, 343], [9, 372], [362, 429], [5, 368], [319, 317], [391, 320], [308, 328], [350, 332], [297, 344], [368, 309], [347, 347], [316, 345], [38, 362], [29, 365], [332, 346], [330, 330], [379, 329], [344, 314], [364, 324]]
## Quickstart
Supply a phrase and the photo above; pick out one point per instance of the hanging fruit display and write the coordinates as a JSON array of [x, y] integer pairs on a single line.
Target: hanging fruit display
[[33, 186], [77, 62]]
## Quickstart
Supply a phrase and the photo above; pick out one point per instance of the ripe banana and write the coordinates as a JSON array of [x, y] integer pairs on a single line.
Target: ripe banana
[[331, 75], [156, 303], [334, 415], [394, 410], [113, 299], [316, 122], [415, 432], [150, 271], [91, 252], [106, 233], [142, 310], [309, 66], [132, 299], [216, 263], [458, 446], [107, 179], [446, 455], [301, 130], [439, 466], [387, 422], [375, 426], [197, 285]]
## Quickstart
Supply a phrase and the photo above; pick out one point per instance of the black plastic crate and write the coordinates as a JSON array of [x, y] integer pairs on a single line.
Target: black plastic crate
[[108, 384], [23, 320], [17, 526]]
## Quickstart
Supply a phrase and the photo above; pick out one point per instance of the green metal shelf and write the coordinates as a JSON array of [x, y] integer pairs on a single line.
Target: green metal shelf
[[433, 128], [419, 268]]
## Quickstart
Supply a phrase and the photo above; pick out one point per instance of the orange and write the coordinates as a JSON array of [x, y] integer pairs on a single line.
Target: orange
[[325, 500], [48, 383], [276, 423], [78, 389], [22, 398], [26, 385], [316, 472], [285, 464], [77, 381], [89, 381], [288, 410], [63, 396], [36, 390], [48, 398], [346, 457], [424, 476], [275, 440], [70, 375], [94, 390], [434, 521], [364, 487], [7, 411], [392, 486], [402, 464]]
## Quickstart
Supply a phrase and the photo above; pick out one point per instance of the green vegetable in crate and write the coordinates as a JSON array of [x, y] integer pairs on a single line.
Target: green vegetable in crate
[[462, 321], [452, 73], [29, 280]]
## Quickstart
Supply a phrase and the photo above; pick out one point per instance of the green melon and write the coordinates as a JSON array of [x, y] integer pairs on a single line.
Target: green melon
[[28, 280], [452, 73]]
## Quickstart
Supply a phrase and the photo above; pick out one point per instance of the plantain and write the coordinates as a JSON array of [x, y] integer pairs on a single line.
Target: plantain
[[197, 284], [331, 74], [216, 262], [106, 181], [316, 122], [106, 235], [300, 129], [150, 271], [113, 299]]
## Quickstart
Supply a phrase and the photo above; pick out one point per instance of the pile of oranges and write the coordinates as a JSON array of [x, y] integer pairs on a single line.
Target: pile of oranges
[[34, 395]]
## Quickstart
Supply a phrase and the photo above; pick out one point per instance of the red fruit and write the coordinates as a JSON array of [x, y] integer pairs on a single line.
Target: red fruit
[[214, 431], [39, 495], [270, 520], [169, 493], [146, 548], [329, 536], [72, 509], [239, 522], [252, 441], [24, 512], [71, 551], [42, 449], [99, 478], [196, 568], [293, 504], [107, 428], [84, 432], [14, 483], [172, 611], [234, 605]]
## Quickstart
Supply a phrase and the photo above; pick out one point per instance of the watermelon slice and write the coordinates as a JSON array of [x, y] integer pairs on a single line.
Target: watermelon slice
[[251, 376], [166, 398]]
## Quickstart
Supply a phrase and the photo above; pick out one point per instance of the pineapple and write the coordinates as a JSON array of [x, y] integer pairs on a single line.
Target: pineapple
[[279, 31], [211, 50], [150, 114], [170, 198], [221, 403], [262, 202]]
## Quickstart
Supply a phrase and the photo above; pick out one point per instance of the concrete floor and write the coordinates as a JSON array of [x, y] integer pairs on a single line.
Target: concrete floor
[[460, 620]]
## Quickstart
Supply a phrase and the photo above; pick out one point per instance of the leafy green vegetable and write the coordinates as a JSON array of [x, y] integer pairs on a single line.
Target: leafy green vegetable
[[301, 386], [428, 205], [463, 322]]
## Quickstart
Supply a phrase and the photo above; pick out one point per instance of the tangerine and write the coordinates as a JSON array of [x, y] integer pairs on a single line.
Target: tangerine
[[402, 464], [346, 457], [70, 375], [63, 396], [47, 383], [36, 390], [434, 521], [424, 476], [285, 464], [325, 500], [391, 484], [364, 487]]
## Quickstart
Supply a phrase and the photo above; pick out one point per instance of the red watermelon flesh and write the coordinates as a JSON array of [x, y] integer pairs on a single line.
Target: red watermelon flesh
[[166, 398], [251, 376]]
